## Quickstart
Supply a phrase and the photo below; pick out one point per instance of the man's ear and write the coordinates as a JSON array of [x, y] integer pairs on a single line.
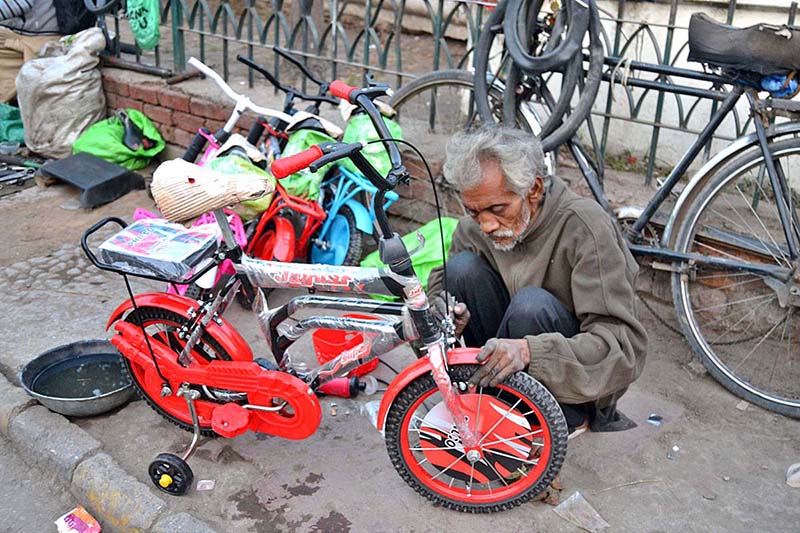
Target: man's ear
[[536, 193]]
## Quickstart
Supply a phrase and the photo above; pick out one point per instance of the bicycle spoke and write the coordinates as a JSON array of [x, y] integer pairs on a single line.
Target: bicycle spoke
[[449, 466], [751, 312], [746, 357], [743, 300], [499, 421], [526, 461], [509, 439], [761, 222], [501, 478]]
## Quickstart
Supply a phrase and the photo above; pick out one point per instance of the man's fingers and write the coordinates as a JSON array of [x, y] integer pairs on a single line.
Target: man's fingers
[[484, 374], [460, 309], [501, 376], [487, 350]]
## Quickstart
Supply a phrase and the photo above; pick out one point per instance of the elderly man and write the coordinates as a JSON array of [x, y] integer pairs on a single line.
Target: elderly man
[[543, 279]]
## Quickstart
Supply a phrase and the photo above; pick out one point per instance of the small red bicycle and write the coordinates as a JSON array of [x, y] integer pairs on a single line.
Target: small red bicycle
[[470, 449]]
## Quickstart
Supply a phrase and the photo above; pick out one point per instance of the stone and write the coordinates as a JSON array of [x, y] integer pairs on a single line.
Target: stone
[[51, 440], [74, 272], [114, 497], [181, 523]]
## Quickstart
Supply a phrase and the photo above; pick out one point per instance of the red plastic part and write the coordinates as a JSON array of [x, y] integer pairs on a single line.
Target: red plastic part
[[290, 164], [298, 420], [337, 387], [456, 356], [230, 420], [225, 334], [340, 89], [329, 343]]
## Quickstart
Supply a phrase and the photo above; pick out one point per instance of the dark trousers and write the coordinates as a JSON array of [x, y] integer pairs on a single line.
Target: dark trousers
[[533, 310]]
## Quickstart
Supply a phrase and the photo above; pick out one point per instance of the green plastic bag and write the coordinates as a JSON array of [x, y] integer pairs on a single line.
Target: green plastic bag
[[104, 140], [426, 259], [144, 17], [233, 164], [360, 128], [305, 183], [11, 124]]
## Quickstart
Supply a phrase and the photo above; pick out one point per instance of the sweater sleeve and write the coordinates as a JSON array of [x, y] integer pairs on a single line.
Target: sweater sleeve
[[10, 9], [608, 353]]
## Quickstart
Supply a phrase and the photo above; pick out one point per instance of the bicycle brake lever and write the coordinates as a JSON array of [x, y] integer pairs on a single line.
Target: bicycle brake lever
[[420, 244]]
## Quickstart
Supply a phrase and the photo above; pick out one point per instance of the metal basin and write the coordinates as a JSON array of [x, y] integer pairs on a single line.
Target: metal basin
[[84, 378]]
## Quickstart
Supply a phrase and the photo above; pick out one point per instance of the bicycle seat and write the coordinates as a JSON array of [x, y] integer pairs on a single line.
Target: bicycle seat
[[761, 48], [183, 190]]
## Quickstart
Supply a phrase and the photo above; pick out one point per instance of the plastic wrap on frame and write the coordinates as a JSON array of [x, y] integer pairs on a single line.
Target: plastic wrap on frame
[[155, 247], [380, 337], [328, 278]]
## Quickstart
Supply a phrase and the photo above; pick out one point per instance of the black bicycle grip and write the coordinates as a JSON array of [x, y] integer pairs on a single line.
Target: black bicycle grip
[[256, 131], [196, 146]]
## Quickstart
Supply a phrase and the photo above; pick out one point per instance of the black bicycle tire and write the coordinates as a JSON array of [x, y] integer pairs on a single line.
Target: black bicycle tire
[[716, 368], [554, 59], [554, 122], [355, 247], [522, 384], [594, 76], [158, 313], [458, 78]]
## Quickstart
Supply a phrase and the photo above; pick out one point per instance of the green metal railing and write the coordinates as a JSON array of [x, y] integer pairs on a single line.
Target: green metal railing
[[397, 40]]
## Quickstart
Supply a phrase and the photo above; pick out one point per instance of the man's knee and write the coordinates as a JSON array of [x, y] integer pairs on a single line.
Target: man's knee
[[463, 267], [534, 310]]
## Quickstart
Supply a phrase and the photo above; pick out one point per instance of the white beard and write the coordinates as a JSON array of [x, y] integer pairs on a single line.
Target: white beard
[[510, 234]]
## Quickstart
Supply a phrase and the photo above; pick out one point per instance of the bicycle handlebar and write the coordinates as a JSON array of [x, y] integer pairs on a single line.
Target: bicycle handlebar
[[240, 99], [290, 164], [285, 88]]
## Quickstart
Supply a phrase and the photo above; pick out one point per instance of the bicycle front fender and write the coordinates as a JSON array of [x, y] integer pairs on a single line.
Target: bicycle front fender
[[222, 331], [285, 240], [420, 367], [363, 219]]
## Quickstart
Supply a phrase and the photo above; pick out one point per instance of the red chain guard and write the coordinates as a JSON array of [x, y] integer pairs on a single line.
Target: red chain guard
[[260, 385]]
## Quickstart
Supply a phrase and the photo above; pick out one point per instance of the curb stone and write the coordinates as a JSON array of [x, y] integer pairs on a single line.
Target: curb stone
[[115, 497], [51, 440], [106, 490], [14, 401]]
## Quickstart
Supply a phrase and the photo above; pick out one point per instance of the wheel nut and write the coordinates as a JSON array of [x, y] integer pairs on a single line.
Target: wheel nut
[[473, 456]]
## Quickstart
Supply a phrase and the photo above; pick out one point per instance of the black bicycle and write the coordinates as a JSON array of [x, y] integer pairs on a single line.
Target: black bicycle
[[732, 240]]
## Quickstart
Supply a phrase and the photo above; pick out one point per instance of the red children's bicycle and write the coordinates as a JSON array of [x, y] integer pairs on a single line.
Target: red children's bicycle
[[473, 449]]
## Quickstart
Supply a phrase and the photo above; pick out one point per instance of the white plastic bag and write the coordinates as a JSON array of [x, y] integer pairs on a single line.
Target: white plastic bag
[[60, 94]]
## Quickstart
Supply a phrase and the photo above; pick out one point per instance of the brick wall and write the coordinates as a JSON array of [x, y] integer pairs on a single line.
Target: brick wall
[[178, 115]]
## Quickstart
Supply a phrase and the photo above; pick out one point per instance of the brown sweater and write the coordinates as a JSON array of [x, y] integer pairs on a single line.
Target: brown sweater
[[574, 251]]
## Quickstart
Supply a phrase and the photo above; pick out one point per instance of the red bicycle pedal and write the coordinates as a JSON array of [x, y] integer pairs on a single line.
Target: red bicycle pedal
[[230, 420]]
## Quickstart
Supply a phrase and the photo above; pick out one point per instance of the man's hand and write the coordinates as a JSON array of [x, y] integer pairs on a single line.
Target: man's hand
[[505, 356], [460, 313]]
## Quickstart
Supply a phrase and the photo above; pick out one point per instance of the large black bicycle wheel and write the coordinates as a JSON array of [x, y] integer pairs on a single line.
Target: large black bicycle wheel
[[745, 326], [523, 442], [433, 107]]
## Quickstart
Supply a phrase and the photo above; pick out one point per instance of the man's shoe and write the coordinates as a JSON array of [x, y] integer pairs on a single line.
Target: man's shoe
[[574, 431]]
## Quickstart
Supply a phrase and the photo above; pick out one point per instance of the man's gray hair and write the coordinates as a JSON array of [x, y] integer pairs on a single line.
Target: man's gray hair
[[519, 154]]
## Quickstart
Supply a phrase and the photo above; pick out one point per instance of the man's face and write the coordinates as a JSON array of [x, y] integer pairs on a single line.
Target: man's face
[[501, 214]]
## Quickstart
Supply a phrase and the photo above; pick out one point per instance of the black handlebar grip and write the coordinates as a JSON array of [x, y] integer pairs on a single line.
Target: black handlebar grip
[[256, 131], [196, 146]]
